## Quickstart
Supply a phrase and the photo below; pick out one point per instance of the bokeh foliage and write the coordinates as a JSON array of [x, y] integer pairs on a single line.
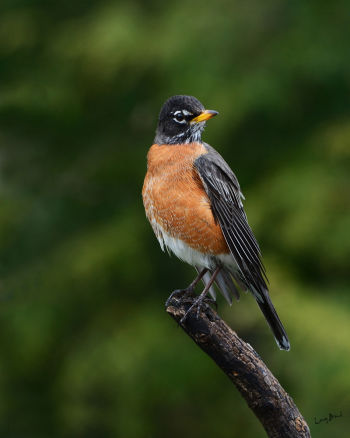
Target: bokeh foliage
[[86, 348]]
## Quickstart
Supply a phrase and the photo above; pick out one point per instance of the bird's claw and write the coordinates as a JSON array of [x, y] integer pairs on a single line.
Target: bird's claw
[[198, 303], [185, 292]]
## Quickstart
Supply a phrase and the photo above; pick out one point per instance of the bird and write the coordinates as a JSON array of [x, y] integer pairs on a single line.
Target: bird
[[194, 204]]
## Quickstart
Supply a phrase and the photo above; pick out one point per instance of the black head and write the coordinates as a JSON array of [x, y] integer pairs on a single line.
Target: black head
[[182, 120]]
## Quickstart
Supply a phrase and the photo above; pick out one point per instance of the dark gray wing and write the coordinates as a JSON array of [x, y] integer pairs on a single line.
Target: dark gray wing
[[224, 192]]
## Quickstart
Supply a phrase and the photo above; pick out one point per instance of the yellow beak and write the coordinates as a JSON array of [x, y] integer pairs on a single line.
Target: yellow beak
[[204, 115]]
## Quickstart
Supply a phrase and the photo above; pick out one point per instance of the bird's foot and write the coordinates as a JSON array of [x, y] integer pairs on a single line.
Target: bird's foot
[[197, 304], [182, 293]]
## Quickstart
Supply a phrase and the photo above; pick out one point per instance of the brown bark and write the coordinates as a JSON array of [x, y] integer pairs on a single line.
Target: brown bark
[[265, 396]]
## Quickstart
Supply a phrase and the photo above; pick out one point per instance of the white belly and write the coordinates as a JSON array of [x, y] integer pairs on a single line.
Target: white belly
[[190, 255]]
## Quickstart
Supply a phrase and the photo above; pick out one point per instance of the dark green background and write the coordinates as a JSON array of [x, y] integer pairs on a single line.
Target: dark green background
[[86, 349]]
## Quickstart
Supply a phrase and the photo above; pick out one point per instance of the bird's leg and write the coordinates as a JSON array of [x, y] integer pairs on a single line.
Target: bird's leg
[[188, 289], [199, 301]]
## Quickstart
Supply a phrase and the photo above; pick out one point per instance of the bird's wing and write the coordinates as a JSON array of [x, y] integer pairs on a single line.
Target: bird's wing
[[223, 190]]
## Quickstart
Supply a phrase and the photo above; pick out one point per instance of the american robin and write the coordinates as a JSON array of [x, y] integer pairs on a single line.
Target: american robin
[[194, 203]]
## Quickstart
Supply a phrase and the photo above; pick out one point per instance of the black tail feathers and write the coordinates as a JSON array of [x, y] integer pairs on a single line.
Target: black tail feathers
[[273, 320]]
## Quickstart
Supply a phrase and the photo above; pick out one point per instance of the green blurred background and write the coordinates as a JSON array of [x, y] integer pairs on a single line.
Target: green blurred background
[[87, 349]]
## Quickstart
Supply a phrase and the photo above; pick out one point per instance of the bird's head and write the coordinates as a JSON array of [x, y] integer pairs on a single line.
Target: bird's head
[[182, 120]]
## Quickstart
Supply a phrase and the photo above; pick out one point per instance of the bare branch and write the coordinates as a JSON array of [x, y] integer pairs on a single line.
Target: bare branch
[[265, 396]]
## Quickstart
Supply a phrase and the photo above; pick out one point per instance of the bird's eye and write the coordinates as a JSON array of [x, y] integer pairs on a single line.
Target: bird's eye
[[179, 117]]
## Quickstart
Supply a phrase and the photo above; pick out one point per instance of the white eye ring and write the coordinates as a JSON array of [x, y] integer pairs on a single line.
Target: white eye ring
[[179, 117]]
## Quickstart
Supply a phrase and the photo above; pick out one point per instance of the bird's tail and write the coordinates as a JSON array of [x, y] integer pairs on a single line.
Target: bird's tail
[[267, 308], [228, 289]]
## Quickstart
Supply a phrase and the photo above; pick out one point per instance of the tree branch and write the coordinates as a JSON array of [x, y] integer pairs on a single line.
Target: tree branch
[[265, 396]]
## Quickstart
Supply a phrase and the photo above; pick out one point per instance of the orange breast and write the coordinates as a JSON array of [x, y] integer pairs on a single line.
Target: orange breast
[[175, 199]]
